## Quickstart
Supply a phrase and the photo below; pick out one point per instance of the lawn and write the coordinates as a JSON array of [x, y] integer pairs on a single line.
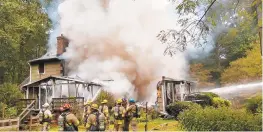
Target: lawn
[[154, 125]]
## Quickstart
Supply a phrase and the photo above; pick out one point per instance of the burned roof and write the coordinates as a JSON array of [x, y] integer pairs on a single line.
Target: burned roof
[[50, 56], [176, 80], [65, 78]]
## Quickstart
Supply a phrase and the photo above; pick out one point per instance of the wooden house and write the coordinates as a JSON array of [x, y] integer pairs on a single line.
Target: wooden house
[[49, 82], [171, 90]]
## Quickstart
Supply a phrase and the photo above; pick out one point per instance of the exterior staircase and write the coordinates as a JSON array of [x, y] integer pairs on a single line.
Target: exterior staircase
[[29, 117]]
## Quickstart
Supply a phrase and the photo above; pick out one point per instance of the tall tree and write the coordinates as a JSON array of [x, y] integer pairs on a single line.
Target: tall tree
[[23, 35]]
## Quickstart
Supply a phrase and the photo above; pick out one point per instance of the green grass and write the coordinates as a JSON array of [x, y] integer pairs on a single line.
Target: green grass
[[172, 125]]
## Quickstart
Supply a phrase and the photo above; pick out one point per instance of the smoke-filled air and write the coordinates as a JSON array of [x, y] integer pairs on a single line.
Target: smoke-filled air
[[117, 41]]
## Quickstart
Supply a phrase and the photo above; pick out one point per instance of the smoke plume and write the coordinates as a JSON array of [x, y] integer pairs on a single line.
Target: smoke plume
[[118, 41]]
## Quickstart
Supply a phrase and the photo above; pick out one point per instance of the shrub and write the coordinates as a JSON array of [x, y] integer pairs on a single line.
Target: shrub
[[9, 112], [105, 95], [175, 108], [254, 104], [207, 98], [219, 119], [219, 102]]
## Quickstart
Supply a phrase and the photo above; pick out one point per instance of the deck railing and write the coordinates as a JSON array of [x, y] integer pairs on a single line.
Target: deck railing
[[75, 102], [8, 124]]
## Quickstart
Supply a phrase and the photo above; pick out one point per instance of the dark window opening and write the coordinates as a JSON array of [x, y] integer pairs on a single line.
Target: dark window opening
[[41, 68]]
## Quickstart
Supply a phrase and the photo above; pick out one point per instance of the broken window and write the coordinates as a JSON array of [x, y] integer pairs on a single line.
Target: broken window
[[41, 68]]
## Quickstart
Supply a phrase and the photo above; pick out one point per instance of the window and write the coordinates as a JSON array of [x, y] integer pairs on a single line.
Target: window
[[41, 68]]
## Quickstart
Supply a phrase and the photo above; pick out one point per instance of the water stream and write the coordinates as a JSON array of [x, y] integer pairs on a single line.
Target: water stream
[[229, 92]]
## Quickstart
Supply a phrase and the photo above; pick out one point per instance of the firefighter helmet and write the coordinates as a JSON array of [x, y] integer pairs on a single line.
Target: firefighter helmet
[[66, 106], [95, 106], [88, 102], [119, 101], [46, 105], [104, 101], [131, 100]]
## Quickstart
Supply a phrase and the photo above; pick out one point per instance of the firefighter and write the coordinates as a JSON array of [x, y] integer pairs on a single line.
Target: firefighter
[[126, 119], [70, 121], [132, 114], [60, 120], [124, 103], [119, 112], [87, 111], [96, 120], [105, 110], [45, 117]]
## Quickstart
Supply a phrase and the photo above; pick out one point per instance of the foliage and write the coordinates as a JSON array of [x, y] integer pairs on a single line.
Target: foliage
[[219, 102], [207, 98], [254, 104], [249, 67], [105, 95], [175, 108], [236, 28], [23, 36], [10, 94], [198, 71], [9, 112], [220, 119]]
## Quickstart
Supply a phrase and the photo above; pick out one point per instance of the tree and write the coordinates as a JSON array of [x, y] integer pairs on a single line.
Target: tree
[[23, 36], [10, 94], [10, 104], [203, 75], [246, 68]]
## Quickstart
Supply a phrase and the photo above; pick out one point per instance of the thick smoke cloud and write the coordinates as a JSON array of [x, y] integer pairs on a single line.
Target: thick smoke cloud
[[119, 43]]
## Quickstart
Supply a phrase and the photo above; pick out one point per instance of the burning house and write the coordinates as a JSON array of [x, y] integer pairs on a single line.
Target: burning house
[[49, 81], [170, 90]]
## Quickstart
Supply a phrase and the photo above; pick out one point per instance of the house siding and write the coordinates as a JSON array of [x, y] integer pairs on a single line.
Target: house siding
[[51, 68]]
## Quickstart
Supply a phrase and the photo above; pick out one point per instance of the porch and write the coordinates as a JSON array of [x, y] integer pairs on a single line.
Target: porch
[[52, 89]]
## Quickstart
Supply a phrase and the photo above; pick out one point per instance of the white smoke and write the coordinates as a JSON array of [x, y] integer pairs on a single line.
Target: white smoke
[[120, 43]]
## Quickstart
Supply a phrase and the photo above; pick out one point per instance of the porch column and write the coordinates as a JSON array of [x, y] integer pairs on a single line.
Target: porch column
[[163, 96], [27, 91], [172, 86], [39, 97], [53, 88], [182, 90]]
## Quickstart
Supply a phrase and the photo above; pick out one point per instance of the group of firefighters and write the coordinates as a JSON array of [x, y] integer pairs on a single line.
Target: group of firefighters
[[96, 118]]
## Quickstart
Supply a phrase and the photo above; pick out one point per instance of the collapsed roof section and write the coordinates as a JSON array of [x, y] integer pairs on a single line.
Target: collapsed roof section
[[55, 78]]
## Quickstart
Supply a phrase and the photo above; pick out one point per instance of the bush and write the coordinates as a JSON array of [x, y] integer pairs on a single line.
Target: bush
[[219, 102], [207, 98], [9, 112], [254, 104], [219, 119], [175, 108], [105, 95]]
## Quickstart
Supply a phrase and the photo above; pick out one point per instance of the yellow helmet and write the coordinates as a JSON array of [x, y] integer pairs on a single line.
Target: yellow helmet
[[104, 101], [95, 106], [88, 102], [119, 101]]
